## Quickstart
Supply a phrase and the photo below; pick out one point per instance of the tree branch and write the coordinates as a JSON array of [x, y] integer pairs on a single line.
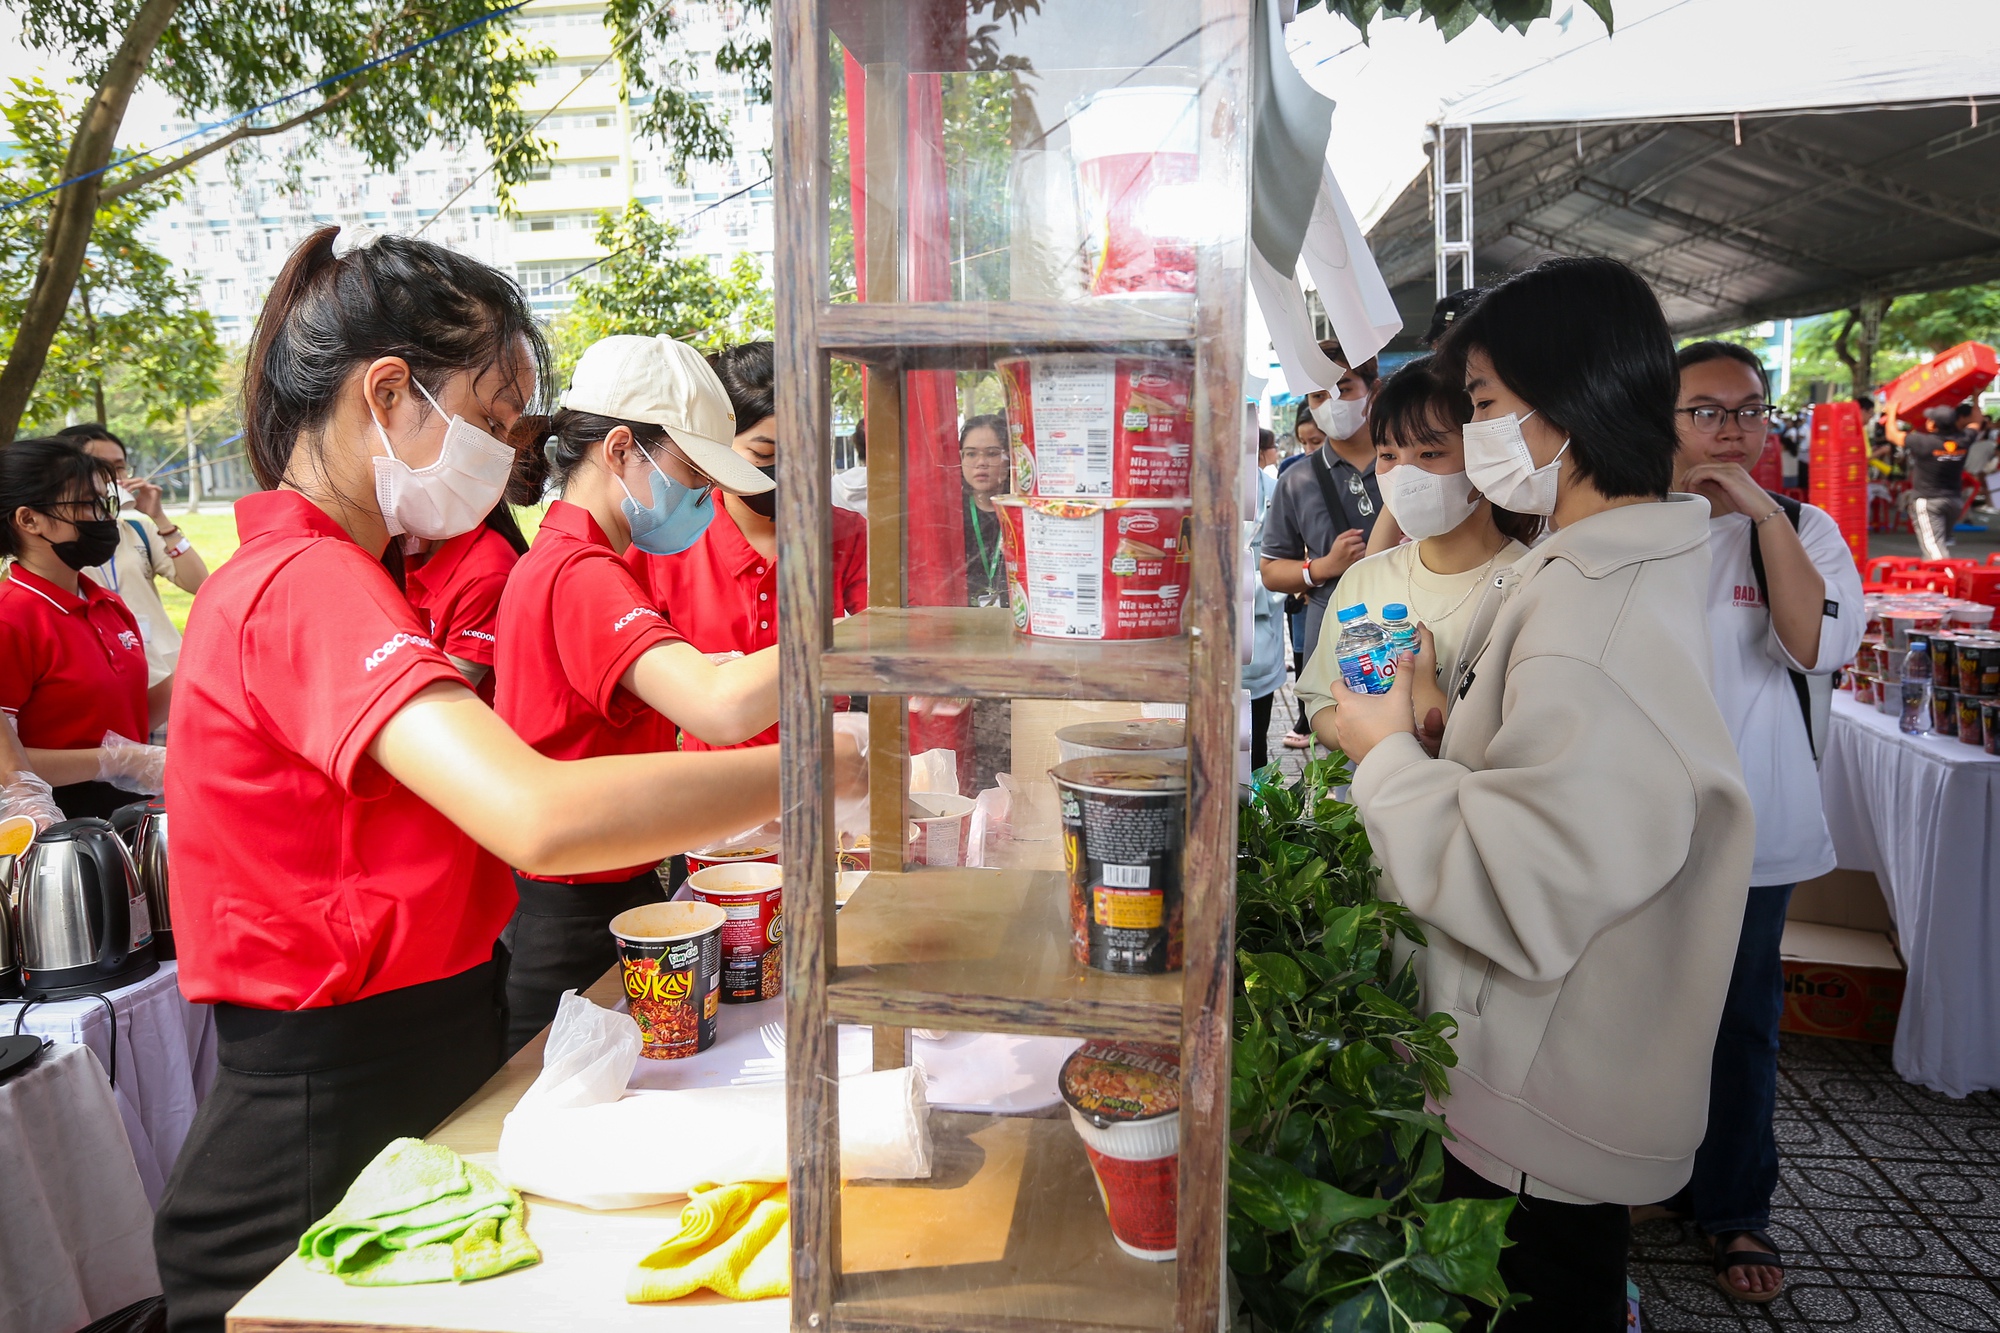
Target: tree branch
[[151, 174]]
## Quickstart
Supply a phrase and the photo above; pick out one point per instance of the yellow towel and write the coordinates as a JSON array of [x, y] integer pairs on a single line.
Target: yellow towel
[[735, 1240]]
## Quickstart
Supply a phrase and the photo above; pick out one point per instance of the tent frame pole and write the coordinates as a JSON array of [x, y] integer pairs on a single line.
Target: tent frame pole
[[1451, 205]]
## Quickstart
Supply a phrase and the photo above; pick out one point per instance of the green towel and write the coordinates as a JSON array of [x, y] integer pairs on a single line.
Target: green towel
[[420, 1213]]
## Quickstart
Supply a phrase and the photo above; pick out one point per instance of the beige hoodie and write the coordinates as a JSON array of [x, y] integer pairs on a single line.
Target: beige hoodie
[[1579, 854]]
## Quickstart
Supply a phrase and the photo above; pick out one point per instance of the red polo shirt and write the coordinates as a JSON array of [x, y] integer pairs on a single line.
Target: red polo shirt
[[456, 593], [723, 596], [303, 874], [72, 664], [572, 621]]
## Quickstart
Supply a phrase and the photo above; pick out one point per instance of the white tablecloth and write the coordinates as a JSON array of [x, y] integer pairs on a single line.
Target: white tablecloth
[[165, 1061], [76, 1229], [1923, 814]]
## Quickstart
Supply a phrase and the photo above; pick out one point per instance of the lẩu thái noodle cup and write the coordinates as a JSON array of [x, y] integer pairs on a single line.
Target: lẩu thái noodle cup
[[670, 959], [1124, 827], [1096, 569], [1124, 1101], [751, 896], [1099, 427], [940, 823]]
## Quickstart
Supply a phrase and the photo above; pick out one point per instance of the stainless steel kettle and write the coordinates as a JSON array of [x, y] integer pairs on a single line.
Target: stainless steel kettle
[[85, 927], [10, 943], [143, 826]]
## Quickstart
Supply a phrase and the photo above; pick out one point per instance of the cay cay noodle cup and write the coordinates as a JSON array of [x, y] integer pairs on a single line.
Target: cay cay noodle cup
[[670, 955], [1140, 737], [697, 861], [940, 825], [751, 896], [1124, 1100], [1100, 426], [1124, 822], [1095, 569]]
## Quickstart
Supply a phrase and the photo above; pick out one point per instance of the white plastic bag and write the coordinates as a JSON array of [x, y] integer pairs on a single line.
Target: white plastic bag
[[589, 1058]]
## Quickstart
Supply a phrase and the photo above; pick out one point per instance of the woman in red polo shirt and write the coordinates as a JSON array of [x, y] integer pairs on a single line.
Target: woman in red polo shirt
[[455, 587], [721, 594], [72, 661], [587, 664], [344, 806]]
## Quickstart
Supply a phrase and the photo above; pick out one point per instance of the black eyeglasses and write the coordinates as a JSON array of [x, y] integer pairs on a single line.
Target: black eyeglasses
[[1708, 420], [83, 511]]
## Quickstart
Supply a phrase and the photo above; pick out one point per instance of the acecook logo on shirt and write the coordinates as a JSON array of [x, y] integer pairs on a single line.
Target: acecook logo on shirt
[[389, 649], [477, 634], [633, 615], [1748, 596], [127, 639]]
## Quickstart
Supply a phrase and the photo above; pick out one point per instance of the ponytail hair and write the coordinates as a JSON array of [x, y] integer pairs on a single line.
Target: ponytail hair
[[328, 314], [570, 436]]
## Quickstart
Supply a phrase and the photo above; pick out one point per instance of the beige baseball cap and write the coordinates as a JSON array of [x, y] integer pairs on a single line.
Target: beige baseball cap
[[667, 384]]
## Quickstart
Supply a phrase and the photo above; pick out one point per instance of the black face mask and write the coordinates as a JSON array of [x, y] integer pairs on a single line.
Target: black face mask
[[766, 504], [96, 542]]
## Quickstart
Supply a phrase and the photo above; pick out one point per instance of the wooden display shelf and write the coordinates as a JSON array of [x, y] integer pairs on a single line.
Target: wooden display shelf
[[1008, 1232], [975, 653], [984, 951], [965, 335]]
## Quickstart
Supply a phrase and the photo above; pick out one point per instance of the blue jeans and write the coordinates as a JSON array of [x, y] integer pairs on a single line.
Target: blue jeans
[[1736, 1168]]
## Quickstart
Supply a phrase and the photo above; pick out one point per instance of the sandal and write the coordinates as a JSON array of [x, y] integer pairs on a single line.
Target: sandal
[[1726, 1259]]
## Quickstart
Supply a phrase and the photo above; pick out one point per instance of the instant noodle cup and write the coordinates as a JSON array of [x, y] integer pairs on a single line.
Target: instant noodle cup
[[1096, 569], [1124, 1100], [1100, 426], [1989, 722], [1989, 668], [702, 860], [1970, 729], [1124, 824], [751, 896], [940, 827], [670, 958], [1136, 166], [853, 853], [1149, 737], [1944, 659], [1969, 666], [1944, 712], [845, 883]]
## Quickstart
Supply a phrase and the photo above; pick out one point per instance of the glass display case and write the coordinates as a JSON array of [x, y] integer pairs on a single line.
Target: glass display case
[[1010, 244]]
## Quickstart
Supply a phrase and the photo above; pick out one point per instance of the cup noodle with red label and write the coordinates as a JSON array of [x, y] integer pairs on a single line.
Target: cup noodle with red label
[[1100, 427], [1124, 1100], [751, 896], [1096, 569]]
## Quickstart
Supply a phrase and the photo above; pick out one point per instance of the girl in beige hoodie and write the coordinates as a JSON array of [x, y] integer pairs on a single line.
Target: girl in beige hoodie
[[1578, 848]]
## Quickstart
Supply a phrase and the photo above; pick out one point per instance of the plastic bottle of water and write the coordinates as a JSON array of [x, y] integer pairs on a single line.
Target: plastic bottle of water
[[1367, 663], [1916, 687], [1402, 633]]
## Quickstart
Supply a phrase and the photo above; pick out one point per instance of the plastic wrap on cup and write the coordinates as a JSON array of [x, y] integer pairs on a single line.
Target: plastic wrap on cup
[[1136, 168], [939, 825], [1131, 738], [1124, 1101], [751, 896], [1124, 825], [1096, 569], [1095, 427], [670, 957]]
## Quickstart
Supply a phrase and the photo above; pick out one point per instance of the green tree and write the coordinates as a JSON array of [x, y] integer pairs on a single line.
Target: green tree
[[129, 309], [1452, 17], [1933, 321], [215, 60], [644, 287]]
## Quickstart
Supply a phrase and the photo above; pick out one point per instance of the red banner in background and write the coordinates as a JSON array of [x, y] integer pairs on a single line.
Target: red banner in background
[[1839, 472]]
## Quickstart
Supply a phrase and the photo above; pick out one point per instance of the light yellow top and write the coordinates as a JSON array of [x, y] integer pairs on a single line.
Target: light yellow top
[[1443, 602]]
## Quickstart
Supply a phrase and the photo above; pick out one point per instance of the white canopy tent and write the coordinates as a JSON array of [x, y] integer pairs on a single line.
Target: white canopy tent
[[1754, 159]]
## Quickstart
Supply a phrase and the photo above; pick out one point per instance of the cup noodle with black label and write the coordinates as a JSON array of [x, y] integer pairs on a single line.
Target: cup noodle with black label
[[1100, 427], [1124, 1100], [1096, 569]]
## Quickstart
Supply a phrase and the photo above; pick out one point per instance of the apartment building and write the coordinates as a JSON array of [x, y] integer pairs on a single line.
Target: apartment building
[[235, 225]]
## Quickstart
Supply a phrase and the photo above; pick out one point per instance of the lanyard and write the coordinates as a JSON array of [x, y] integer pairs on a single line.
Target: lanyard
[[989, 562]]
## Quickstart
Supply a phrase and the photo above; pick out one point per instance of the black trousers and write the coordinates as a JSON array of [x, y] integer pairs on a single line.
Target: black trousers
[[305, 1100], [560, 939], [1260, 730], [1569, 1258], [1303, 726]]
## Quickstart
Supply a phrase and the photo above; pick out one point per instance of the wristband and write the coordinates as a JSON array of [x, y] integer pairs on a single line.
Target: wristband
[[179, 549], [169, 531], [1306, 571]]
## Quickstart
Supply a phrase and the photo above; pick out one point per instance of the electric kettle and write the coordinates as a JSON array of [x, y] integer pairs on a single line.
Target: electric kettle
[[85, 927], [10, 948], [143, 827]]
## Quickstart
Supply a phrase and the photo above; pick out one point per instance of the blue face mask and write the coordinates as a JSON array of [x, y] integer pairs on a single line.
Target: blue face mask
[[676, 520]]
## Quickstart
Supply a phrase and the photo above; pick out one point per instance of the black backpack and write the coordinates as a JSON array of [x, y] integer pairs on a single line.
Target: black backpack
[[1815, 692]]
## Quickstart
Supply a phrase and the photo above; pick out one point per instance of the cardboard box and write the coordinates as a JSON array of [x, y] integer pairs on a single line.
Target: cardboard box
[[1850, 898], [1840, 982]]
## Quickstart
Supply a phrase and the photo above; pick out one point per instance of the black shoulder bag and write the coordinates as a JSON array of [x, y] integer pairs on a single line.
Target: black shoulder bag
[[1815, 692]]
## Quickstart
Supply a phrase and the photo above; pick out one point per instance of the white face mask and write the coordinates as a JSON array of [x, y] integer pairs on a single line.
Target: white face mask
[[1499, 464], [1341, 418], [452, 495], [1426, 504]]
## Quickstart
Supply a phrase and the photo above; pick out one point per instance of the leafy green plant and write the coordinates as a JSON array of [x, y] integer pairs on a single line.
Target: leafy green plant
[[1452, 17], [1334, 1221]]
